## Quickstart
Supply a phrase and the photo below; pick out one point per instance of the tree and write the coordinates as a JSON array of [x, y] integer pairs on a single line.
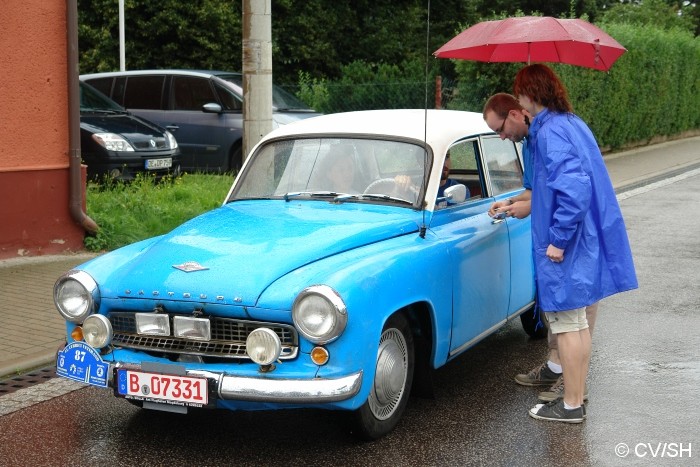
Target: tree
[[160, 34], [658, 13]]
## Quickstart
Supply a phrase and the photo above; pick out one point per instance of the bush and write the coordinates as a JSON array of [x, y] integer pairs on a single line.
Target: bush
[[651, 91], [143, 208]]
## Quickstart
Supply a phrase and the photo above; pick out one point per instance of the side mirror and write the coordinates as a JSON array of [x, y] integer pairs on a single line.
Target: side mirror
[[211, 108], [456, 194]]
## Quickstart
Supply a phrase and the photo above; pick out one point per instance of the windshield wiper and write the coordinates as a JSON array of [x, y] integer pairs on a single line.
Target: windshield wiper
[[342, 198], [315, 194]]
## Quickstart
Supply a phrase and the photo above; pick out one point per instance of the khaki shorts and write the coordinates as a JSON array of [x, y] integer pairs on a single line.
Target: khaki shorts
[[567, 321]]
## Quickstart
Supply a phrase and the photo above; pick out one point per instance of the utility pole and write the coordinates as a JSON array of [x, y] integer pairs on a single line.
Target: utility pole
[[122, 53], [257, 72]]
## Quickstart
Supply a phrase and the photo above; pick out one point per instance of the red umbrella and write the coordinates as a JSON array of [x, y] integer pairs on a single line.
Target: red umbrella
[[535, 39]]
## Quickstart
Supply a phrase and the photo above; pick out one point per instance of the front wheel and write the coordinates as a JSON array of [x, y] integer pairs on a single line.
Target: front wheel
[[393, 376]]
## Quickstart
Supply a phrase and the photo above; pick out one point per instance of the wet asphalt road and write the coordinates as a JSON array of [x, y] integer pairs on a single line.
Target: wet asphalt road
[[644, 390]]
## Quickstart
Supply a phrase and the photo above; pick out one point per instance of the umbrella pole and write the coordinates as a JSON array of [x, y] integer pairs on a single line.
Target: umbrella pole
[[528, 53]]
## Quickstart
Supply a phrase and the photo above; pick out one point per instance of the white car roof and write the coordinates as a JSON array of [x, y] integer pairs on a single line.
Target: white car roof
[[440, 129], [437, 128]]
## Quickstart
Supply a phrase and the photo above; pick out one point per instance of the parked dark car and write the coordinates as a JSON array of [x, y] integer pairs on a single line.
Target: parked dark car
[[119, 145], [203, 109]]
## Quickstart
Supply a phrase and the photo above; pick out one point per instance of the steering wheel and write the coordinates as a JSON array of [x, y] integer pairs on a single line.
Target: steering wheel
[[388, 185]]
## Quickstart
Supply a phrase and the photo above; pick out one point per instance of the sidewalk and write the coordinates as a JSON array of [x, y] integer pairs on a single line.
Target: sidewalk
[[31, 329]]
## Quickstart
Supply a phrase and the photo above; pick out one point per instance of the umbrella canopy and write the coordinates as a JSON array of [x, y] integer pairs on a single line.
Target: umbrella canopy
[[535, 39]]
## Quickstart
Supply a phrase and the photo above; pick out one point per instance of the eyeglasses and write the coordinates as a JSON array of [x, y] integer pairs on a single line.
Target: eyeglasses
[[503, 125]]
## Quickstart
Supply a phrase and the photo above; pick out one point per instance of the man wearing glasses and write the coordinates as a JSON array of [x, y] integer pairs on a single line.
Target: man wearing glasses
[[505, 116]]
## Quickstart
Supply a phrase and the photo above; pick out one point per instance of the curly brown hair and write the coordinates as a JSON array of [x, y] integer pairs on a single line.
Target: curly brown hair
[[542, 85]]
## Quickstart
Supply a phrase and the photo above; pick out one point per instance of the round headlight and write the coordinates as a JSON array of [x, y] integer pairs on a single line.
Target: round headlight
[[76, 296], [320, 314], [263, 346], [97, 331]]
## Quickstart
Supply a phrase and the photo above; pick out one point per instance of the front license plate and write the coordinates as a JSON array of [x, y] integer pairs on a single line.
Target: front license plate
[[165, 163], [180, 390]]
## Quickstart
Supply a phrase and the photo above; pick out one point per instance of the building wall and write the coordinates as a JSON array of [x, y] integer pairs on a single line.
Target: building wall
[[34, 180]]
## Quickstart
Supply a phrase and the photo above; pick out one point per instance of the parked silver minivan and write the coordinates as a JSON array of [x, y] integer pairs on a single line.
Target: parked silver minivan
[[203, 109]]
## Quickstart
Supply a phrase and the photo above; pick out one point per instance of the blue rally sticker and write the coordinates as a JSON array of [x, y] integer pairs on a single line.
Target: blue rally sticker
[[80, 362]]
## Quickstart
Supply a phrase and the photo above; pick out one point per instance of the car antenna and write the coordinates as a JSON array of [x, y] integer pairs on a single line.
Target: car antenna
[[423, 227]]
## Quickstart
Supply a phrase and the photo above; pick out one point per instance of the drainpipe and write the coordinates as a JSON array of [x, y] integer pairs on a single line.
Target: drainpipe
[[74, 168]]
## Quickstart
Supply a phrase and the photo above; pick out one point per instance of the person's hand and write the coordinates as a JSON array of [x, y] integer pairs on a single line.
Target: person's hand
[[498, 206], [403, 182], [555, 254], [519, 209]]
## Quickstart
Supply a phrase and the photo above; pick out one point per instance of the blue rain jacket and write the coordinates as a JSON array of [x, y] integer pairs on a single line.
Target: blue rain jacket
[[527, 163], [574, 207]]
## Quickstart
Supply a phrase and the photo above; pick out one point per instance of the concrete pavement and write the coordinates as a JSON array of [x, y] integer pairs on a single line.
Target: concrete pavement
[[31, 329]]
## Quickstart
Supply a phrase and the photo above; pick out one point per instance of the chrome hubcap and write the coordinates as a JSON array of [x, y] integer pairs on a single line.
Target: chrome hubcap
[[390, 374]]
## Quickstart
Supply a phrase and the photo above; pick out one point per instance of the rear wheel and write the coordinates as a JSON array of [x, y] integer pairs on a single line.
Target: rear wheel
[[393, 377], [533, 323]]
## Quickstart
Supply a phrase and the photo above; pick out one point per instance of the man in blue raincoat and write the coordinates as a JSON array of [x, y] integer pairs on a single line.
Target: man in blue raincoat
[[505, 116], [580, 246]]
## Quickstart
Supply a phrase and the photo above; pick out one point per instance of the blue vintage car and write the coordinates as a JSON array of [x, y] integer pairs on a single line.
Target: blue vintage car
[[333, 276]]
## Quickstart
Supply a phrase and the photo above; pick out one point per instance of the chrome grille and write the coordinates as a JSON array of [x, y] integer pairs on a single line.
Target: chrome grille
[[228, 337]]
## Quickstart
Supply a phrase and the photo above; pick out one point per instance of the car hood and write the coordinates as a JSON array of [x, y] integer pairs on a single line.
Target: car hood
[[129, 126], [235, 252]]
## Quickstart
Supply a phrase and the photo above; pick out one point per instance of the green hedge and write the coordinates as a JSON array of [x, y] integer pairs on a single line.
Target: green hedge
[[652, 90]]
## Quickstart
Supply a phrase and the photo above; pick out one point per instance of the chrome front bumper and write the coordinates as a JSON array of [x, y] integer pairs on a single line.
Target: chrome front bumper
[[290, 391]]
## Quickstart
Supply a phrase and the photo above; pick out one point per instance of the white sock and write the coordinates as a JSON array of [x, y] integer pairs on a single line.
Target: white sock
[[568, 407], [555, 367]]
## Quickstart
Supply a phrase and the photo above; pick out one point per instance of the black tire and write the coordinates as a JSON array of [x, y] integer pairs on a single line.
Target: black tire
[[235, 161], [533, 323], [392, 382]]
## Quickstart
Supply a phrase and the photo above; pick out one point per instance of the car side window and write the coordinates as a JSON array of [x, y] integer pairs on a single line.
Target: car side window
[[191, 93], [144, 92], [229, 100], [505, 172], [464, 166]]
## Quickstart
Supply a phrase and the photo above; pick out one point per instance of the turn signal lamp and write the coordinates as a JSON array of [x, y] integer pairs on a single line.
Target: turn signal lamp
[[77, 333], [319, 355]]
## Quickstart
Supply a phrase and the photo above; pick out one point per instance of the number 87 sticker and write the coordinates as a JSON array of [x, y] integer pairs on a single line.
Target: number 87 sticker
[[80, 362]]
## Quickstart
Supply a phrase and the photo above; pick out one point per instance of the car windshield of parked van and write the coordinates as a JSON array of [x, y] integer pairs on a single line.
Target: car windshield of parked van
[[355, 170], [91, 100], [282, 100]]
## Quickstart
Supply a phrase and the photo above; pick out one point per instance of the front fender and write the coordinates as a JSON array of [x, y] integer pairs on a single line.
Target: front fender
[[375, 281]]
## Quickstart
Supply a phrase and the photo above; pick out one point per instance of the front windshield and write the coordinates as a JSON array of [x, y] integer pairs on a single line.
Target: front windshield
[[372, 170], [281, 99], [92, 99]]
